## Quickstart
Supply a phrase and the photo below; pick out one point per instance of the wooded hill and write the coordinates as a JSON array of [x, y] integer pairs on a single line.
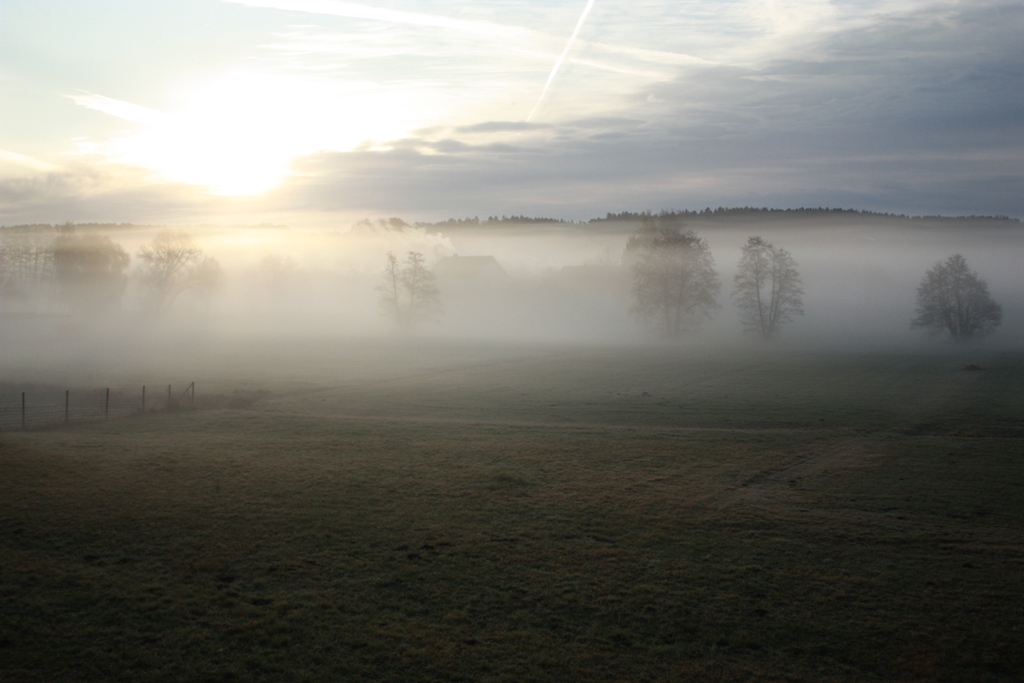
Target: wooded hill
[[627, 220], [741, 217]]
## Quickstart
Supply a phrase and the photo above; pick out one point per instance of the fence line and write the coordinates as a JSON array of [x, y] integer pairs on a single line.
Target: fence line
[[36, 407]]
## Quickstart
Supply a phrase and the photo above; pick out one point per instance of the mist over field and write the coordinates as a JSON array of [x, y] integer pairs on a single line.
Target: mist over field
[[271, 475], [280, 458], [533, 282]]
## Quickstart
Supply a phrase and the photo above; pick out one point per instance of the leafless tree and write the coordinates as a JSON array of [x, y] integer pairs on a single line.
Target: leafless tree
[[172, 264], [409, 295], [90, 270], [391, 288], [768, 290], [952, 298], [206, 278], [26, 261], [675, 285], [423, 296]]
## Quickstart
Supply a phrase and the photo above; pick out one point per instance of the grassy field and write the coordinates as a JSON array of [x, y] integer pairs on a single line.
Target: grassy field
[[536, 514]]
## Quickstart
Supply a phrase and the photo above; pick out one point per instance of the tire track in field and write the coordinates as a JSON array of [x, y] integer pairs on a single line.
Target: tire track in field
[[579, 425]]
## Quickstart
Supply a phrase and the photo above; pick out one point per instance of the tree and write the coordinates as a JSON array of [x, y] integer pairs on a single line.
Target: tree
[[675, 285], [90, 270], [205, 278], [172, 264], [952, 298], [768, 290], [391, 289], [26, 261], [424, 299], [651, 229], [408, 295]]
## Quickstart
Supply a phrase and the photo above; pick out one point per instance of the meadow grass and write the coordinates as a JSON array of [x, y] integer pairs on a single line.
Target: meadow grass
[[555, 515]]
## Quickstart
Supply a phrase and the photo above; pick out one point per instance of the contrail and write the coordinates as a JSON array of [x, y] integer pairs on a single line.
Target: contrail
[[561, 57]]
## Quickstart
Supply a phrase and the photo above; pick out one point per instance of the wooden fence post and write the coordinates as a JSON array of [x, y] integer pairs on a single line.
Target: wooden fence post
[[106, 405], [67, 404]]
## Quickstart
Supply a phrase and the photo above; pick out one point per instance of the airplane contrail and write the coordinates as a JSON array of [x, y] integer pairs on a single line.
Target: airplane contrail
[[561, 57]]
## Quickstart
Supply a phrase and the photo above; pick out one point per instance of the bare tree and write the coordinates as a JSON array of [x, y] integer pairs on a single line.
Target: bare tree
[[768, 290], [952, 298], [172, 264], [90, 270], [206, 278], [675, 285], [409, 295], [26, 262], [391, 288], [423, 295]]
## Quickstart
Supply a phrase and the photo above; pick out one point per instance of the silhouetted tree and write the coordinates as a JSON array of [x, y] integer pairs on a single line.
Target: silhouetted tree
[[390, 289], [408, 295], [276, 280], [206, 277], [675, 285], [423, 295], [90, 270], [768, 289], [650, 230], [172, 264], [26, 261], [952, 298]]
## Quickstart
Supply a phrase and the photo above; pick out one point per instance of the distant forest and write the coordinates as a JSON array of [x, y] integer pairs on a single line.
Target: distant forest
[[754, 212], [721, 215]]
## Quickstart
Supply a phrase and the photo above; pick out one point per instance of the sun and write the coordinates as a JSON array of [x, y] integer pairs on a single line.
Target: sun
[[240, 134]]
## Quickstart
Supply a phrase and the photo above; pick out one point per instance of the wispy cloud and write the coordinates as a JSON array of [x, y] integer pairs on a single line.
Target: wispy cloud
[[354, 10], [515, 37], [22, 161], [657, 103], [122, 110], [502, 127]]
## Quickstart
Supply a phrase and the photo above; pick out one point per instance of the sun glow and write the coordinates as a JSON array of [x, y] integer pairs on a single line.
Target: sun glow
[[239, 135]]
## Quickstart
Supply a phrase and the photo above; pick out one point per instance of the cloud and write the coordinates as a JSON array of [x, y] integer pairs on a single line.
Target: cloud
[[12, 161], [118, 108], [354, 10], [502, 127], [518, 39], [85, 192], [902, 106], [907, 114]]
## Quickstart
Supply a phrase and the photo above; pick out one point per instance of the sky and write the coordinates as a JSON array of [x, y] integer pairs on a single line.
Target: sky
[[318, 112]]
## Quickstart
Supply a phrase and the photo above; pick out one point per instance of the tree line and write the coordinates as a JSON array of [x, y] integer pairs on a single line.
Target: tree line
[[89, 272], [719, 213], [675, 284], [802, 212], [676, 287]]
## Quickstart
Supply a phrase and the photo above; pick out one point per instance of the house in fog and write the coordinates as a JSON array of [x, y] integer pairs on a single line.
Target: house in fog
[[475, 292], [469, 273]]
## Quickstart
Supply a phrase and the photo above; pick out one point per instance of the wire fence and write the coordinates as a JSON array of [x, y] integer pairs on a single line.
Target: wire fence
[[33, 407]]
